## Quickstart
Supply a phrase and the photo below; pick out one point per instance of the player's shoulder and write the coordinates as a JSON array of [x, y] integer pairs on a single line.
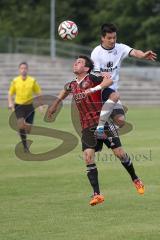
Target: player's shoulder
[[96, 49], [73, 82], [94, 78], [15, 79], [33, 79], [121, 46], [69, 85]]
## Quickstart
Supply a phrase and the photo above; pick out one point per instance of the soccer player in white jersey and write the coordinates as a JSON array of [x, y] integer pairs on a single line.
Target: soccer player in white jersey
[[107, 58]]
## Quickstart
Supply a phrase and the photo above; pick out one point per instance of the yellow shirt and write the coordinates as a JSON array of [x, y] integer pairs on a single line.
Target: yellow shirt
[[24, 89]]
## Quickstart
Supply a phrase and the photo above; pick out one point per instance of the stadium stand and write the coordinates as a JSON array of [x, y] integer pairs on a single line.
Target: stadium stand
[[138, 85]]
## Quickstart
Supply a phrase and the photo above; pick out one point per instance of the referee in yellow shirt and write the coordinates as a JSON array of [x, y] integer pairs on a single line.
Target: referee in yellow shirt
[[24, 87]]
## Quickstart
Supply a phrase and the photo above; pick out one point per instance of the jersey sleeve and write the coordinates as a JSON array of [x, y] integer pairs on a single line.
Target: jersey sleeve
[[12, 88], [36, 88], [125, 50], [68, 87], [96, 61]]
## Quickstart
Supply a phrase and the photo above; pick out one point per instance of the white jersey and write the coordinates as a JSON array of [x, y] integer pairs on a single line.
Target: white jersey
[[109, 60]]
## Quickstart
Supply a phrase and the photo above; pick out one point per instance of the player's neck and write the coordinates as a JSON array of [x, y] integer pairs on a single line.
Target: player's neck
[[81, 77], [24, 77]]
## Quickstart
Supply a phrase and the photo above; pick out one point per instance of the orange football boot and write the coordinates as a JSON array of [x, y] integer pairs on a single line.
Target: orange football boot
[[96, 199], [139, 186]]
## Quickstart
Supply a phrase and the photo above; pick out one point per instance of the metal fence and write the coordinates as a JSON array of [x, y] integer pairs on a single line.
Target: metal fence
[[41, 47]]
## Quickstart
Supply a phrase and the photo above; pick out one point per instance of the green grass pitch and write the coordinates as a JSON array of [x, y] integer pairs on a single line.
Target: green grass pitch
[[48, 200]]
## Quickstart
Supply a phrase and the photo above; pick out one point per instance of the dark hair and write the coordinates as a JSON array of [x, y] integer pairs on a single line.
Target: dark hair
[[88, 62], [23, 63], [108, 28]]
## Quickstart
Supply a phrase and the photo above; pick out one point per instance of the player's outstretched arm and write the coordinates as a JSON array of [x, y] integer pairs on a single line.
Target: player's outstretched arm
[[148, 55], [53, 108]]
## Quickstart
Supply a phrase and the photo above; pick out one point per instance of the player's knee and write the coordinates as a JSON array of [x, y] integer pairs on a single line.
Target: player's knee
[[119, 120], [89, 159], [21, 124], [114, 96]]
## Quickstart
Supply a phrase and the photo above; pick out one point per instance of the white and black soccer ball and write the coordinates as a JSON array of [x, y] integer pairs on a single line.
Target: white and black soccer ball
[[68, 30]]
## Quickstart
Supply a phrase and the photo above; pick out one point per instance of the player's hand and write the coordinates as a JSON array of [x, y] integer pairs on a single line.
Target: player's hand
[[149, 55], [51, 111], [11, 107], [106, 75], [41, 109], [87, 91]]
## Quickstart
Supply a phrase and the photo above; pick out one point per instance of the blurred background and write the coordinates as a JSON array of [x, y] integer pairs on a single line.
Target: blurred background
[[28, 32], [48, 200]]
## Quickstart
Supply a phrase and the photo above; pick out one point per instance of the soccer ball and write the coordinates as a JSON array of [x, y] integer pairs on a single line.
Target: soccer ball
[[67, 30]]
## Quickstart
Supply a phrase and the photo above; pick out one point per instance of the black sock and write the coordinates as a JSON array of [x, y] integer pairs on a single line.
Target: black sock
[[127, 164], [92, 174], [23, 137]]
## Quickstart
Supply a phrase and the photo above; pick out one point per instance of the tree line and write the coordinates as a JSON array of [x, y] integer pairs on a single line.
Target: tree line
[[138, 21]]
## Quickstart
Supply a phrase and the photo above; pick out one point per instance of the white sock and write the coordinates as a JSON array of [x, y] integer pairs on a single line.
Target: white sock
[[105, 112]]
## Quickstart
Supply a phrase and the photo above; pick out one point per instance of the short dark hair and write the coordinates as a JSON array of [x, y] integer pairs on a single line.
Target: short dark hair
[[23, 63], [108, 28], [88, 62]]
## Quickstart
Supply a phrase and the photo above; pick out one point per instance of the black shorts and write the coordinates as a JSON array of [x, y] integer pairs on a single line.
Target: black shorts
[[89, 141], [25, 111], [106, 93]]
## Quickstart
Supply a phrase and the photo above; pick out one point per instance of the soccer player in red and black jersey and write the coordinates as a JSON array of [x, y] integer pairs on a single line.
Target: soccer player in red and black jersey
[[86, 91]]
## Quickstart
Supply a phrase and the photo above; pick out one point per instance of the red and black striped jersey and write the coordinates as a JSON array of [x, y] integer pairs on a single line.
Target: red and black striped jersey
[[89, 106]]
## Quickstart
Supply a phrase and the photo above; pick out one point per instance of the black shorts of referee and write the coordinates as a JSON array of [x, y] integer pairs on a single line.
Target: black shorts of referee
[[25, 111], [89, 140]]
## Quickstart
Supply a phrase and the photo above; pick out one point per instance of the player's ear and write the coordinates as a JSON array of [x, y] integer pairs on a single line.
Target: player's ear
[[102, 38]]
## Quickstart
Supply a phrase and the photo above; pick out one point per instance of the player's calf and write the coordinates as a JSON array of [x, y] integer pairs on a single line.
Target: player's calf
[[128, 165]]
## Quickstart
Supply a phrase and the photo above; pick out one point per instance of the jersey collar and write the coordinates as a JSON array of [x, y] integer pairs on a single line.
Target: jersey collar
[[82, 79], [108, 49]]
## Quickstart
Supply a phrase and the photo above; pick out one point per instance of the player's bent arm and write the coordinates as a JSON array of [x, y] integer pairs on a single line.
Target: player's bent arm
[[148, 55], [107, 81]]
